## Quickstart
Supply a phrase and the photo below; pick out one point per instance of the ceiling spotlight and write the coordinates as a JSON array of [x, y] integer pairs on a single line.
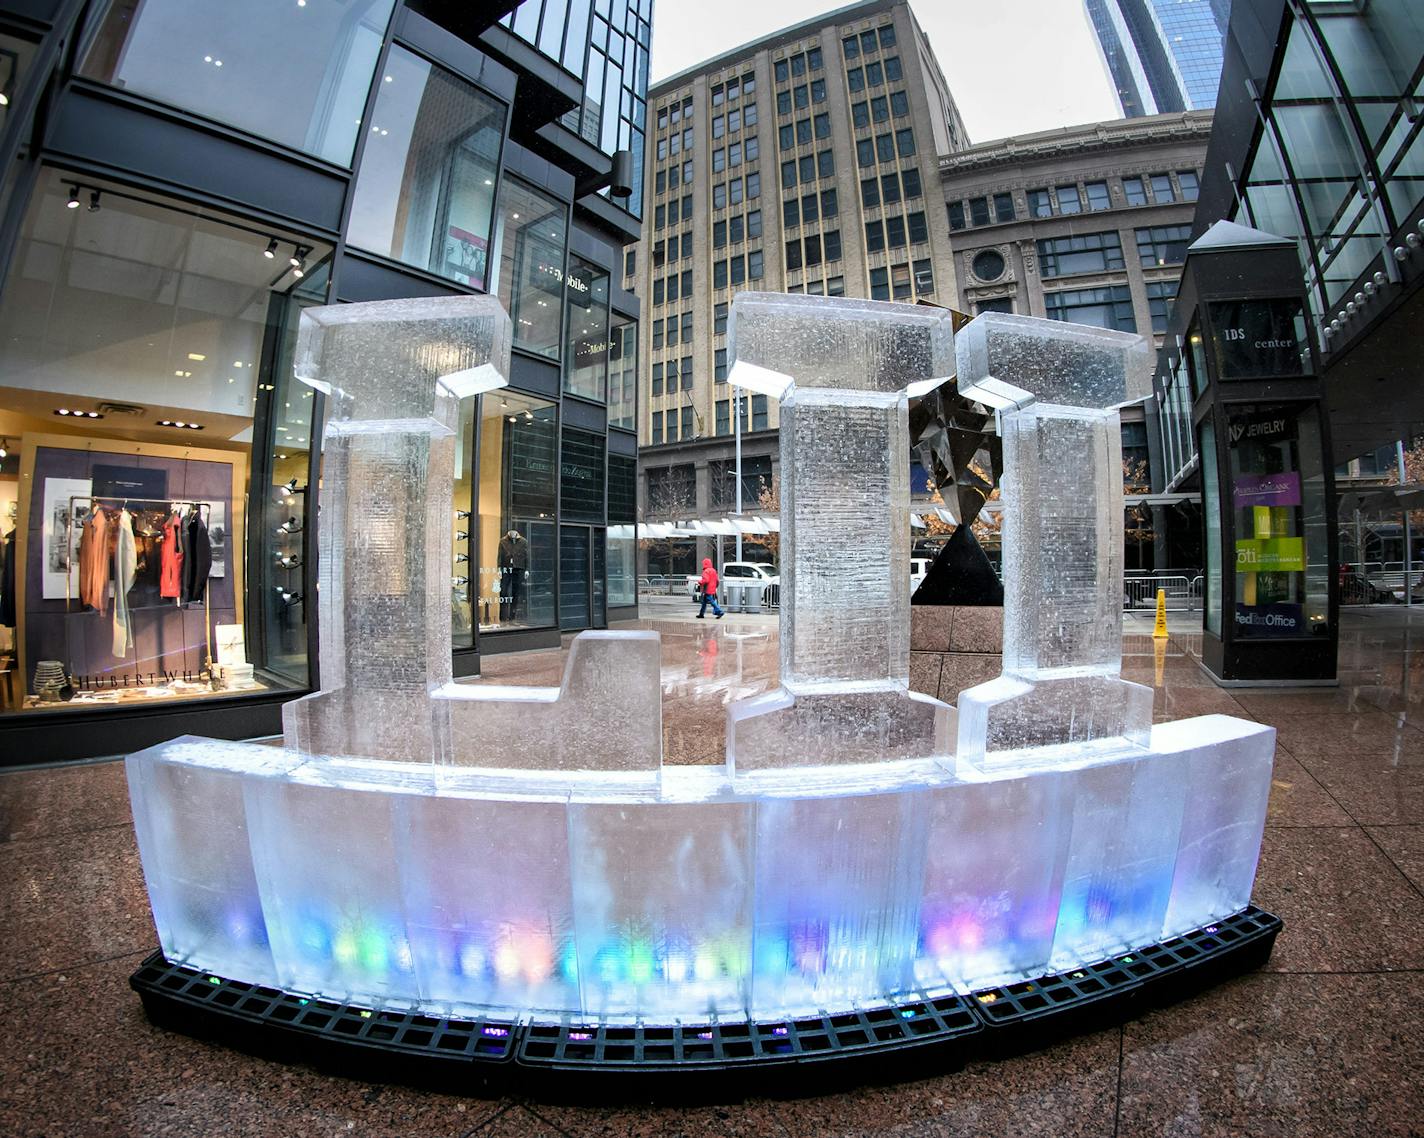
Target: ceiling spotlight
[[4, 99], [73, 202], [3, 451], [271, 251], [93, 201]]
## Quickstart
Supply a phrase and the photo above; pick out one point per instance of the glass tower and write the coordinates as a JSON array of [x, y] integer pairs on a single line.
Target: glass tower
[[1162, 55]]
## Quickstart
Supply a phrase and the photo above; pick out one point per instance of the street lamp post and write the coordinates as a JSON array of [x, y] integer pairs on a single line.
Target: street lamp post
[[737, 436]]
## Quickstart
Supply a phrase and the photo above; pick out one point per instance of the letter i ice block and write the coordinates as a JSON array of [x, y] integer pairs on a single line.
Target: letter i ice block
[[843, 371], [393, 373], [1056, 388]]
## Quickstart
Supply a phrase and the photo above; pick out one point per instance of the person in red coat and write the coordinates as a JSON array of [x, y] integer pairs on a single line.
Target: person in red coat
[[709, 590]]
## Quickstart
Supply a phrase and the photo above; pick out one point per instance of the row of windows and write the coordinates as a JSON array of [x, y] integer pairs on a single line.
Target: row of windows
[[672, 249], [831, 286], [887, 187], [665, 215], [674, 416], [801, 96], [865, 43], [1102, 252], [808, 208], [675, 143], [676, 285], [898, 282], [880, 108], [735, 230], [673, 378], [896, 232], [813, 250], [801, 133], [1095, 306], [678, 327], [733, 89], [875, 74], [734, 120], [1074, 198], [731, 154], [735, 189], [797, 65], [758, 422], [672, 177], [736, 270], [675, 113], [883, 147], [807, 168]]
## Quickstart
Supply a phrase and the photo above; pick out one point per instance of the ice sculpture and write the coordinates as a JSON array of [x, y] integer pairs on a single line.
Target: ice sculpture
[[466, 848], [843, 371], [1057, 387]]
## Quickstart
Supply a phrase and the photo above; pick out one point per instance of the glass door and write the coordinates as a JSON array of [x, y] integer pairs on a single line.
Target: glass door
[[575, 603]]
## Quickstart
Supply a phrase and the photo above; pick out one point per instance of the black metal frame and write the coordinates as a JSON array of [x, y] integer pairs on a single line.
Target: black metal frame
[[906, 1035]]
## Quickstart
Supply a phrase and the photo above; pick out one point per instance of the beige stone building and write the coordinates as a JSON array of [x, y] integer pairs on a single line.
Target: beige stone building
[[805, 161], [1088, 224]]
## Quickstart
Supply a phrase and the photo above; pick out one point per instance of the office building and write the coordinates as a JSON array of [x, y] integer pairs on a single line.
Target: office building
[[1161, 55], [801, 162], [181, 179], [1087, 224]]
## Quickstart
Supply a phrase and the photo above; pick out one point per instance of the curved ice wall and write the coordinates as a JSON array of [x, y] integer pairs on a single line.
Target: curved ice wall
[[465, 846]]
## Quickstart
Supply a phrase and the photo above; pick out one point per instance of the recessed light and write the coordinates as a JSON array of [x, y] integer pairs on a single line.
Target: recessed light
[[180, 424], [197, 356], [69, 413], [388, 78]]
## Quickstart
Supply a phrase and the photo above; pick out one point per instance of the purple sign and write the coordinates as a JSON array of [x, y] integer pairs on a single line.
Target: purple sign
[[1267, 490]]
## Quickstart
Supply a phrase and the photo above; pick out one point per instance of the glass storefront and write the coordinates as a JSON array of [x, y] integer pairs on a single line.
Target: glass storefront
[[425, 192], [145, 363], [622, 534], [587, 330], [622, 372], [518, 491], [295, 73]]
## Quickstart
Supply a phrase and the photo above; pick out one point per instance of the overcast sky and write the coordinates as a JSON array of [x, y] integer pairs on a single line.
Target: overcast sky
[[1014, 66]]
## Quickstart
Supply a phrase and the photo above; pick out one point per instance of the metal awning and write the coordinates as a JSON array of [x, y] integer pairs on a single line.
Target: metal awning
[[1382, 499]]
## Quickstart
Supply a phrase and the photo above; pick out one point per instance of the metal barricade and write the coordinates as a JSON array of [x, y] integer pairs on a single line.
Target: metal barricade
[[1183, 592]]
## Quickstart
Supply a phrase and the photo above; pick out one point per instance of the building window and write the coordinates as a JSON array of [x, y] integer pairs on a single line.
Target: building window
[[829, 206], [1097, 196], [895, 232], [1191, 185], [835, 286], [855, 79], [630, 262], [719, 366], [657, 333], [656, 435], [719, 234], [899, 104], [850, 47], [736, 230], [754, 223], [860, 115], [687, 427], [1085, 253], [995, 304], [783, 102], [791, 213], [1003, 205], [719, 319], [911, 180], [924, 277], [822, 126], [1040, 203], [1134, 191], [813, 250], [874, 75], [753, 186], [818, 90], [825, 164], [885, 147], [1162, 189], [687, 327], [1108, 307], [900, 282], [893, 71], [534, 230], [1067, 199], [979, 211], [781, 71], [793, 254], [723, 417], [956, 213], [754, 265], [831, 245], [918, 226], [759, 421], [799, 97], [905, 142], [874, 236], [1163, 245], [1160, 295], [809, 207], [424, 195], [738, 266], [719, 275], [988, 265], [150, 49]]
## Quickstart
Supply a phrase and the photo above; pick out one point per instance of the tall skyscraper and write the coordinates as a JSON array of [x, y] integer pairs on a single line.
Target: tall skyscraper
[[1161, 55]]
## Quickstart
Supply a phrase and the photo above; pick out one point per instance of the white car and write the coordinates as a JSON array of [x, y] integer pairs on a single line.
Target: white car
[[735, 571]]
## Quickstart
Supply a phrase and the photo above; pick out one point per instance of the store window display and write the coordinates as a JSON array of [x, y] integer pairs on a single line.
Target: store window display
[[141, 355], [587, 324], [518, 465]]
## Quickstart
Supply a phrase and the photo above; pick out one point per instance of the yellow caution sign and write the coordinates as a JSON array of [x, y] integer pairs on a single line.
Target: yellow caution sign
[[1159, 658], [1159, 629]]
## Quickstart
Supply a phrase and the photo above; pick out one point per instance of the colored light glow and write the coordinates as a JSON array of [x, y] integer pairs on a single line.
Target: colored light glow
[[472, 960], [344, 948], [536, 957], [675, 967], [506, 961], [640, 962]]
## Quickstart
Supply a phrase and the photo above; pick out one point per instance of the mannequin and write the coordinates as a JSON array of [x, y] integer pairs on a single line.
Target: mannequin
[[513, 565]]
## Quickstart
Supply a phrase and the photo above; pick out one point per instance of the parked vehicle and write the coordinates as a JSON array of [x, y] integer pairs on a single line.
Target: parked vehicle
[[919, 566], [735, 571]]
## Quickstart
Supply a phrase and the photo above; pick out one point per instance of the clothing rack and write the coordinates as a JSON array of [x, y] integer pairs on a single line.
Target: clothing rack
[[119, 501]]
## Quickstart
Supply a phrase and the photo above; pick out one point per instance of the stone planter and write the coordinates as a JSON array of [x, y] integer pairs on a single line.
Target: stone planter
[[953, 648]]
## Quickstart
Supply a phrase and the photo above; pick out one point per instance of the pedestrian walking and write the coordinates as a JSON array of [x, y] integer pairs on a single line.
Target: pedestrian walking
[[709, 590]]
